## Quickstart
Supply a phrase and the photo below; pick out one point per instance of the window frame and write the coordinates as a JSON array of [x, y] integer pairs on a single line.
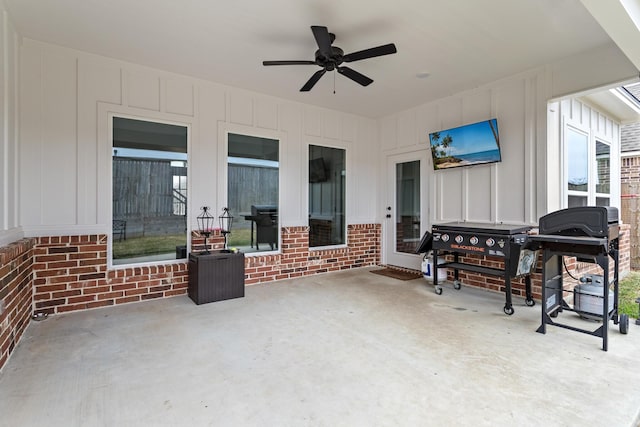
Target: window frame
[[592, 173], [597, 138], [345, 148], [223, 165], [125, 113]]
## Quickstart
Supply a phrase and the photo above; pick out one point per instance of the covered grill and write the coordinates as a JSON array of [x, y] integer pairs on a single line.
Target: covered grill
[[590, 234], [503, 241], [265, 218], [582, 221]]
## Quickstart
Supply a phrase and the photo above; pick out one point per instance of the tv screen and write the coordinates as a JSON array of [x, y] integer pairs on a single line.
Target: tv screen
[[466, 145]]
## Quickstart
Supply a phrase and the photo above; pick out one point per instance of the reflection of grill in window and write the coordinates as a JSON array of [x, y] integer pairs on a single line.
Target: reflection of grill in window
[[266, 218]]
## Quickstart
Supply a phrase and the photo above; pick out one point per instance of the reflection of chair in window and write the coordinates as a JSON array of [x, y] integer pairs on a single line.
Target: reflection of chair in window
[[119, 229], [266, 218]]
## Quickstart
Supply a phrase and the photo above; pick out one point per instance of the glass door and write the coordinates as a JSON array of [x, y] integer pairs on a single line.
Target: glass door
[[406, 210]]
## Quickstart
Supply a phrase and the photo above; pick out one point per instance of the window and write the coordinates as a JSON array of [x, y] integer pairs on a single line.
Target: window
[[407, 206], [588, 164], [149, 191], [327, 170], [253, 192], [578, 167]]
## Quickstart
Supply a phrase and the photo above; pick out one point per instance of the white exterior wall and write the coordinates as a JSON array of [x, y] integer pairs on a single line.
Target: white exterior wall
[[68, 96], [9, 59], [62, 164], [501, 192], [526, 184]]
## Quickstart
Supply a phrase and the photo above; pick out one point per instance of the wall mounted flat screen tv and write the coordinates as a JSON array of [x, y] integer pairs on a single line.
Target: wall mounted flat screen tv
[[467, 145]]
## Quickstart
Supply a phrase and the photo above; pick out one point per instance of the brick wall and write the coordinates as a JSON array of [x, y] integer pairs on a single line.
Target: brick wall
[[630, 169], [16, 288], [296, 259], [70, 273]]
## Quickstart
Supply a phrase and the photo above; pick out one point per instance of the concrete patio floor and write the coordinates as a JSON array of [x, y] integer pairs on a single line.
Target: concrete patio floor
[[339, 349]]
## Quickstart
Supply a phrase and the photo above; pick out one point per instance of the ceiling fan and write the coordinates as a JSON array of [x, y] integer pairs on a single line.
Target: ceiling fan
[[330, 58]]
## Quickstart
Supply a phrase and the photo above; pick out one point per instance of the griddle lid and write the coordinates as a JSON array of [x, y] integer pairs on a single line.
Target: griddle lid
[[426, 243]]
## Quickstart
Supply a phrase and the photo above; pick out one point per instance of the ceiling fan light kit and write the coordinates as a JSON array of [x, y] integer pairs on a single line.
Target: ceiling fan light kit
[[331, 58]]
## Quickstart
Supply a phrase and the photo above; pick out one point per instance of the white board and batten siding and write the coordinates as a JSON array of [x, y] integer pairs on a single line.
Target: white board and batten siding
[[491, 193], [527, 183], [68, 97], [56, 163]]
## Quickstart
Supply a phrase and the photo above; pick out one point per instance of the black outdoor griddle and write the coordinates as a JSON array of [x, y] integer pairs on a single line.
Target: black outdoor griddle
[[502, 241]]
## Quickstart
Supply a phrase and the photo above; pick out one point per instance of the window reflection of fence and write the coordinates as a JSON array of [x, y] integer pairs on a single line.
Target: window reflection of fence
[[144, 196], [142, 188]]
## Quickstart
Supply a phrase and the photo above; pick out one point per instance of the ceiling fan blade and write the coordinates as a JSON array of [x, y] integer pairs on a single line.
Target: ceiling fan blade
[[313, 80], [386, 49], [323, 39], [355, 76], [288, 62]]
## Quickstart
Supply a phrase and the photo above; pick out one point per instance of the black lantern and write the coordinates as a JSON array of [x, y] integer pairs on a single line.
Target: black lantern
[[205, 225], [225, 224]]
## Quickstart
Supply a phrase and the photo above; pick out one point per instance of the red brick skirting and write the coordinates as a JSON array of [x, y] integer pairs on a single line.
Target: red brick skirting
[[296, 259], [69, 273], [16, 291]]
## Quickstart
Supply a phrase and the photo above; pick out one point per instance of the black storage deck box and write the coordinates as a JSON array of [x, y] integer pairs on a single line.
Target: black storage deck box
[[216, 276]]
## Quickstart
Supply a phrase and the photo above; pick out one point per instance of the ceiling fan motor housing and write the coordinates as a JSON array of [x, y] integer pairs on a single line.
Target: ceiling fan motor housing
[[330, 63]]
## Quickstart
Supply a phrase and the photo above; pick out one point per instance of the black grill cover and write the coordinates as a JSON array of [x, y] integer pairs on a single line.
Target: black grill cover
[[263, 210], [588, 221]]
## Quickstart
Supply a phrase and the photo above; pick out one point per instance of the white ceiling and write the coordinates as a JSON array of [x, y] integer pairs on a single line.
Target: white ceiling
[[462, 44]]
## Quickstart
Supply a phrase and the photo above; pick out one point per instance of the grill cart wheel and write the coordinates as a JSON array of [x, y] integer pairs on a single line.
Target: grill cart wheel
[[438, 290], [508, 310], [624, 324], [530, 302], [456, 284]]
